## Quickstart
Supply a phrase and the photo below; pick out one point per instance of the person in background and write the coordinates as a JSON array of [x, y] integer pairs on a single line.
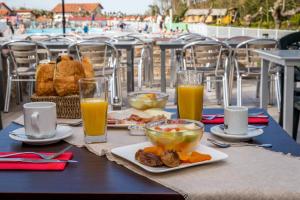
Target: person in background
[[146, 27], [86, 29], [10, 26]]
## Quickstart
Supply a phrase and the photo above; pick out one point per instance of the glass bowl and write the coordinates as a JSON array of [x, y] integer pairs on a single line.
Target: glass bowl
[[147, 100], [179, 135]]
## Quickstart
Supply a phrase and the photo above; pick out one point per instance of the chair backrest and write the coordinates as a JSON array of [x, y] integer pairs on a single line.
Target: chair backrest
[[204, 54], [245, 55], [74, 37], [59, 39], [25, 53], [290, 41], [100, 54]]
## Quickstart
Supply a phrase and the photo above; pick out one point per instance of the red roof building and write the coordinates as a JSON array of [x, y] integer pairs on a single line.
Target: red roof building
[[5, 10], [79, 7]]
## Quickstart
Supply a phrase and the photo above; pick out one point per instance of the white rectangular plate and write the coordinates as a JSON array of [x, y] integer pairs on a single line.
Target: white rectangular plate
[[128, 153]]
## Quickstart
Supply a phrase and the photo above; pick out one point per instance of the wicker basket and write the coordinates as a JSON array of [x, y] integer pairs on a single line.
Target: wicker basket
[[67, 107]]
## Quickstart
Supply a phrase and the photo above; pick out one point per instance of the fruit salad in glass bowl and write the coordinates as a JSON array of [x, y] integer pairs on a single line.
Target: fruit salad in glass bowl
[[147, 100], [178, 135]]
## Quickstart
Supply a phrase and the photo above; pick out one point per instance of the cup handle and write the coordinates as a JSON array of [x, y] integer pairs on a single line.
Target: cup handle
[[34, 122]]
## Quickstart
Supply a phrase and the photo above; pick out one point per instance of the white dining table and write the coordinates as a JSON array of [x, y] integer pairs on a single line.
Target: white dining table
[[288, 59]]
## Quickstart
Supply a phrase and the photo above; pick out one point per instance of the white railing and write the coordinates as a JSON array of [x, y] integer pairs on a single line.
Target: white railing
[[216, 31], [227, 31]]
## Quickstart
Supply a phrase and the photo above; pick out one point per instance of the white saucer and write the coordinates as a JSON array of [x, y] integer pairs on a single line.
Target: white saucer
[[218, 131], [62, 132]]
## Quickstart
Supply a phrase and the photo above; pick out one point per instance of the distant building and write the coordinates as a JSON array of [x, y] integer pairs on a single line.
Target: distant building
[[25, 15], [204, 15], [5, 10], [76, 9]]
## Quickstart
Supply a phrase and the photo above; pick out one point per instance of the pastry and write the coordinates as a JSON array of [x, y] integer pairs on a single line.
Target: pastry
[[44, 79], [66, 76]]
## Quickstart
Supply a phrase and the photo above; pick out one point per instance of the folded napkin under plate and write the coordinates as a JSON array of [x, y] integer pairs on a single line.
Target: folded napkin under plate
[[35, 166], [251, 120]]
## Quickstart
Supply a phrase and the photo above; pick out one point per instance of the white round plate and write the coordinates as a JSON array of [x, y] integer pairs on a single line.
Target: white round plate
[[218, 131], [62, 132]]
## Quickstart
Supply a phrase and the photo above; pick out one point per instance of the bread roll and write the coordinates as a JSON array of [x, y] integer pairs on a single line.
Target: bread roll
[[44, 79], [66, 76]]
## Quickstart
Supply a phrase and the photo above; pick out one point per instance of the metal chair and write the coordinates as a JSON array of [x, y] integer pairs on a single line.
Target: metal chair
[[247, 64], [105, 60], [143, 58], [22, 61], [210, 58], [58, 39]]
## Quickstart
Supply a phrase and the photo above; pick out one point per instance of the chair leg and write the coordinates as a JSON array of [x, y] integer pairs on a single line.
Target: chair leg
[[296, 123], [278, 91], [239, 90], [8, 94], [257, 88], [218, 92], [208, 86], [271, 90], [140, 74], [225, 91], [31, 85]]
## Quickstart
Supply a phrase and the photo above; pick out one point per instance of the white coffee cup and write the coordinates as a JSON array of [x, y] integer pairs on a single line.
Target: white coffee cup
[[236, 120], [40, 119]]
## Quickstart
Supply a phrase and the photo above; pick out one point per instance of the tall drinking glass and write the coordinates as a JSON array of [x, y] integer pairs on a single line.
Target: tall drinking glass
[[189, 95], [94, 106]]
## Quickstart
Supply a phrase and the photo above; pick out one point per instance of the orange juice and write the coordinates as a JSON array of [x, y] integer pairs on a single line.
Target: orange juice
[[190, 101], [94, 116]]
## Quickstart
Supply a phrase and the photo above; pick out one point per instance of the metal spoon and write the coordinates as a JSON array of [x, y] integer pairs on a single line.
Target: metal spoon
[[74, 124], [250, 127], [241, 144], [211, 117]]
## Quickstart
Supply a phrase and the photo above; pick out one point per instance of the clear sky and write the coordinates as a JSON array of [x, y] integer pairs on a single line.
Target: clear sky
[[128, 6]]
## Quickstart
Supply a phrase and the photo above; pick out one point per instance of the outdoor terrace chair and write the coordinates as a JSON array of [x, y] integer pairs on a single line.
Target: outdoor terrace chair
[[188, 38], [59, 39], [211, 59], [22, 62], [105, 60], [143, 58], [248, 64]]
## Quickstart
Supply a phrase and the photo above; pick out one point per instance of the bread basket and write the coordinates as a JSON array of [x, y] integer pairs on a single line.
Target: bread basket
[[67, 107]]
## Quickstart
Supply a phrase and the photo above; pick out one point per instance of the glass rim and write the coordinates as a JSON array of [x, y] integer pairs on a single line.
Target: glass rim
[[150, 125]]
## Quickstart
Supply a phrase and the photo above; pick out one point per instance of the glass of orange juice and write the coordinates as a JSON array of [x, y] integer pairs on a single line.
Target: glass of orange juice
[[94, 106], [189, 95]]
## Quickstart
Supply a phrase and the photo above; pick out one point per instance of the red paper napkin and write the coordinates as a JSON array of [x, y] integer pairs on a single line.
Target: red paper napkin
[[251, 120], [35, 166]]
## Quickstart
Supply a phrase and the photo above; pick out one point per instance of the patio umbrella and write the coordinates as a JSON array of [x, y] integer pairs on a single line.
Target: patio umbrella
[[63, 16]]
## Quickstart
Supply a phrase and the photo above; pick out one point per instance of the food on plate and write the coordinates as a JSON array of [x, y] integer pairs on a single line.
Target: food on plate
[[155, 156], [170, 159], [147, 100], [148, 159], [44, 79], [135, 119], [175, 135]]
